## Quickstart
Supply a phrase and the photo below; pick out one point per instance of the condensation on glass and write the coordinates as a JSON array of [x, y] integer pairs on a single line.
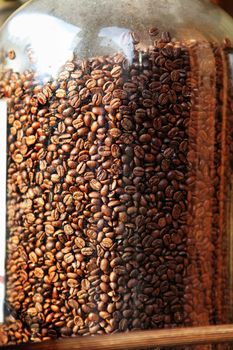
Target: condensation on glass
[[118, 167]]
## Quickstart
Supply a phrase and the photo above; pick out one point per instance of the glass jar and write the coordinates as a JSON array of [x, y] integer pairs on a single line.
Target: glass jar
[[119, 152]]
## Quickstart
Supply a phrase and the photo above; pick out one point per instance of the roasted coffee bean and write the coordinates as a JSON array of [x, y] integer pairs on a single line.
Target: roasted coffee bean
[[153, 31], [114, 184]]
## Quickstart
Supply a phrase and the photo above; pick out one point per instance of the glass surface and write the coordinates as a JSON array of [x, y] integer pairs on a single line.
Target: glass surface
[[119, 167]]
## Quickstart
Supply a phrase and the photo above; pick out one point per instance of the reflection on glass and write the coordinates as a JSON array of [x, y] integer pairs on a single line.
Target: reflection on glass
[[123, 39], [37, 32]]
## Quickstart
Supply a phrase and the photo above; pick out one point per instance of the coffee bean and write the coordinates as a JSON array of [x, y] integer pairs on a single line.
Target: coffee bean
[[162, 222], [11, 54], [79, 242], [163, 99], [106, 243], [17, 158], [116, 71], [176, 211], [95, 185], [68, 258], [113, 188], [104, 265], [87, 251], [33, 257], [68, 229], [39, 273], [114, 132], [153, 31]]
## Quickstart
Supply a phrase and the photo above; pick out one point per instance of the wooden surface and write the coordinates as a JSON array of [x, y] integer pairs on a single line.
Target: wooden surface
[[138, 340]]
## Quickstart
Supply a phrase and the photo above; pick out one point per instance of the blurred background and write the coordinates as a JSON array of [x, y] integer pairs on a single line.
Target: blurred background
[[9, 6], [226, 4]]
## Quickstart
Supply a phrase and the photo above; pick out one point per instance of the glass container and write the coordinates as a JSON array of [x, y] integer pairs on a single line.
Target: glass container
[[116, 156]]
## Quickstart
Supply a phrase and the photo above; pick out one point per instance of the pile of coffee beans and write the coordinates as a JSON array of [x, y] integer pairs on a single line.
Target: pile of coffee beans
[[116, 193]]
